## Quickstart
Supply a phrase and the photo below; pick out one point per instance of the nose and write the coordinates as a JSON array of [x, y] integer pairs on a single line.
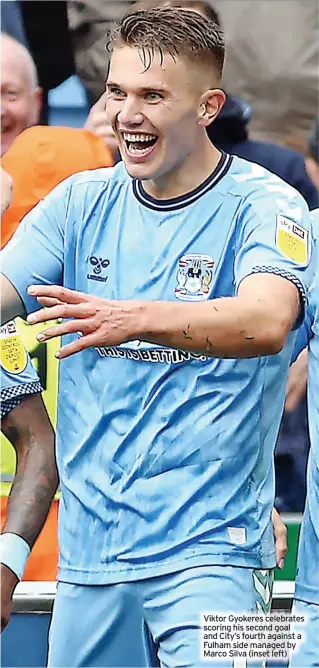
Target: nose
[[130, 114]]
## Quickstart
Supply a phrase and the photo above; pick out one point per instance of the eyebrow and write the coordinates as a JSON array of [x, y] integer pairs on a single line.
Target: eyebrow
[[145, 89]]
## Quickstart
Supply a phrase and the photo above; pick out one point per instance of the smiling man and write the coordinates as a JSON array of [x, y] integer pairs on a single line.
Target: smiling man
[[180, 275], [21, 97], [154, 104]]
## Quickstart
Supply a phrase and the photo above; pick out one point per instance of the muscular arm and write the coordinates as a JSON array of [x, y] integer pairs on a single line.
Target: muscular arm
[[254, 323], [11, 303], [29, 430]]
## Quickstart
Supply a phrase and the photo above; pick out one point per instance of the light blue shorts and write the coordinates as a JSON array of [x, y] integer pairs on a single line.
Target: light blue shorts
[[151, 622], [308, 651]]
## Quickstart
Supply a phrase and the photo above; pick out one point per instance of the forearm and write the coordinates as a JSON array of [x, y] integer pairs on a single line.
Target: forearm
[[11, 303], [36, 478], [254, 323], [219, 328]]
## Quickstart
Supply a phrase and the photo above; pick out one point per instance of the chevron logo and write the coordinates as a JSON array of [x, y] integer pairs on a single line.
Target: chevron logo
[[263, 584]]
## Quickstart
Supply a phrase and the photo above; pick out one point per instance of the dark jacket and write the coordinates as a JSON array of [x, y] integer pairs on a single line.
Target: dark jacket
[[49, 41], [230, 133]]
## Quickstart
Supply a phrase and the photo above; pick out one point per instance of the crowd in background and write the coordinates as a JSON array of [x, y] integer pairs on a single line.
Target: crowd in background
[[271, 108]]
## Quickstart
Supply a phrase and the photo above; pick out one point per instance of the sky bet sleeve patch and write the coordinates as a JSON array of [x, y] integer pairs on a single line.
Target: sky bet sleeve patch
[[292, 240], [13, 354]]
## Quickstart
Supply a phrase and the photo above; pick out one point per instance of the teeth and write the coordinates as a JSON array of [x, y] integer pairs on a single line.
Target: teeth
[[137, 150], [135, 138]]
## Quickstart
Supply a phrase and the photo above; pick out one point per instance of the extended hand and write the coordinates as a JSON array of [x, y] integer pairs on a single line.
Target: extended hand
[[9, 582], [102, 322], [280, 534], [297, 382], [98, 123]]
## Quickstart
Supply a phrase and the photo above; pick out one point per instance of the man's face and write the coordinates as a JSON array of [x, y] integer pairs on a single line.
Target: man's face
[[20, 105], [153, 112]]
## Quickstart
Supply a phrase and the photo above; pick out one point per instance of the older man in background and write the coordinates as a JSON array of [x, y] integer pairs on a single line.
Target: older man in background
[[21, 96]]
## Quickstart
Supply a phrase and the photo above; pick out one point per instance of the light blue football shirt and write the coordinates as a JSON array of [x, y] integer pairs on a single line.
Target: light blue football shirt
[[18, 377], [307, 580], [165, 457]]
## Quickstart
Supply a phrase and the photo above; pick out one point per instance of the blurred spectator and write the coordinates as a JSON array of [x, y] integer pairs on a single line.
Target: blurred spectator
[[293, 442], [267, 78], [291, 456], [272, 62], [230, 133], [39, 159], [312, 158], [90, 22], [20, 92], [98, 123]]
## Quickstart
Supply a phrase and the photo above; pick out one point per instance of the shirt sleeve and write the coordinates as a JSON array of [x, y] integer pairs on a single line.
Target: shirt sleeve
[[35, 254], [17, 373], [306, 331], [274, 236], [304, 334]]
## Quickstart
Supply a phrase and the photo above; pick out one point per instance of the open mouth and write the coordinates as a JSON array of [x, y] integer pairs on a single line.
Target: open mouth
[[139, 144]]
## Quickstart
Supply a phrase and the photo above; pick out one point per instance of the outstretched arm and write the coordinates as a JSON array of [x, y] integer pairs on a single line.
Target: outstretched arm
[[256, 322], [29, 430]]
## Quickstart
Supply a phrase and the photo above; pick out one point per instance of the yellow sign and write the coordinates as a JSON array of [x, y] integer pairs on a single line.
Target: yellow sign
[[292, 240], [46, 364], [13, 356]]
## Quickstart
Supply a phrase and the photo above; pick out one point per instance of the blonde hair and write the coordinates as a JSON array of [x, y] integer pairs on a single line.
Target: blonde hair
[[162, 29], [201, 6]]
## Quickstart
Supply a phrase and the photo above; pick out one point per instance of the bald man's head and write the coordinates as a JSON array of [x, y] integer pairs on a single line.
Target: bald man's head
[[20, 93]]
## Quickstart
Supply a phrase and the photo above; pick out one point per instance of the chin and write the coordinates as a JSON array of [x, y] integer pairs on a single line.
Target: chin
[[141, 171]]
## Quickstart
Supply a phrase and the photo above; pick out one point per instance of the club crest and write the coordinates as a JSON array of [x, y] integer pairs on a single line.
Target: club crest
[[194, 277]]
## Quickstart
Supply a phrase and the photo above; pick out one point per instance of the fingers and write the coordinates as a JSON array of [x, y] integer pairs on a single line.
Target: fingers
[[97, 113], [101, 102], [292, 400], [58, 292], [105, 131], [69, 327], [76, 346], [280, 533], [295, 393], [49, 301], [297, 382], [62, 311], [99, 119]]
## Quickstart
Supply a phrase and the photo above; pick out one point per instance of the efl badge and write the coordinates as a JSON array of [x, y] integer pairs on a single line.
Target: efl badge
[[194, 277], [292, 240], [13, 354]]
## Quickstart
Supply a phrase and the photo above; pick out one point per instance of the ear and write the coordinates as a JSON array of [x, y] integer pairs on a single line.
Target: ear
[[36, 106], [211, 103]]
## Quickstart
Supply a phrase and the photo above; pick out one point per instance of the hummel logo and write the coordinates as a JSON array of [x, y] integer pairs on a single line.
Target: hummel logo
[[98, 265]]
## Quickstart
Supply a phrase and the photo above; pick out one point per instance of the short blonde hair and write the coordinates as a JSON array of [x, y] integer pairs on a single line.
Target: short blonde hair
[[162, 29]]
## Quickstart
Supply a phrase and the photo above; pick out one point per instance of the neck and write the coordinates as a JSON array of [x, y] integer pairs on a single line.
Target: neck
[[187, 176]]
